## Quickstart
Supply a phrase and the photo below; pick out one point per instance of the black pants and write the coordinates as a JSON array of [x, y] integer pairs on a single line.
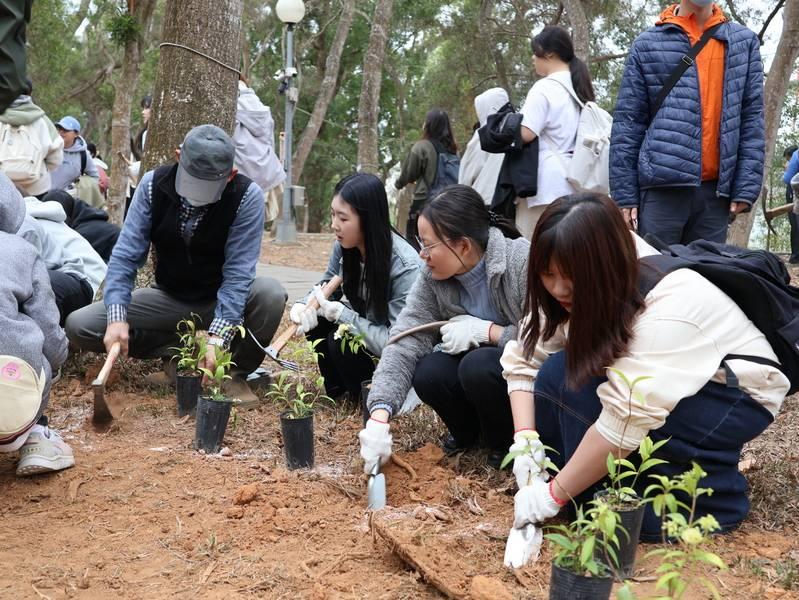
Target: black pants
[[343, 371], [469, 394], [71, 293], [794, 220]]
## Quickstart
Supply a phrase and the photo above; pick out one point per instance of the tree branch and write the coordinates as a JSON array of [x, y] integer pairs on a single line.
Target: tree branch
[[734, 12], [607, 57], [558, 14], [762, 33]]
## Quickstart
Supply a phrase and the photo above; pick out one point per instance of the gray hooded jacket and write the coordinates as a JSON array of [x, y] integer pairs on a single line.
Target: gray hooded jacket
[[28, 313], [69, 170], [430, 300]]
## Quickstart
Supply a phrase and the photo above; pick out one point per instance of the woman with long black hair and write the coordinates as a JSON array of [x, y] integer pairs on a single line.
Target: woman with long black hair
[[476, 266], [551, 113], [589, 313], [422, 162], [378, 268]]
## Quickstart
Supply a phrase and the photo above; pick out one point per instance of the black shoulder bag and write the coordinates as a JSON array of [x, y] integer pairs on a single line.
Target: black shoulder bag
[[685, 62]]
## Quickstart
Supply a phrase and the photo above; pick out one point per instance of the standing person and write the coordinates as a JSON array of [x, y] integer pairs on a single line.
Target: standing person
[[584, 284], [480, 169], [378, 268], [552, 115], [791, 156], [77, 160], [32, 344], [254, 137], [421, 164], [31, 146], [205, 222], [684, 172], [476, 265]]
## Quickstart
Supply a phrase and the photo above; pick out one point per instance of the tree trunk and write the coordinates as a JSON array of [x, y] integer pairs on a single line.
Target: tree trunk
[[191, 89], [326, 90], [581, 31], [369, 104], [779, 76], [120, 119], [486, 26]]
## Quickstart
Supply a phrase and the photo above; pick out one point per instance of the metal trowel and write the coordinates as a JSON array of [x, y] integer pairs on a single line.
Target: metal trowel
[[376, 488]]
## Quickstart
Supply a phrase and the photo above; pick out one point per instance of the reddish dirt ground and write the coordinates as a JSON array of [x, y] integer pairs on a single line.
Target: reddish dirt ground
[[143, 515]]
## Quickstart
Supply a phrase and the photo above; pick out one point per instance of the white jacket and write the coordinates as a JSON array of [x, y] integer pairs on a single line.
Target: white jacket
[[680, 338], [61, 247], [480, 169]]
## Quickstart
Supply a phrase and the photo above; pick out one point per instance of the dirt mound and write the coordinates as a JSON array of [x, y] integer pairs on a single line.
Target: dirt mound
[[427, 481], [246, 494]]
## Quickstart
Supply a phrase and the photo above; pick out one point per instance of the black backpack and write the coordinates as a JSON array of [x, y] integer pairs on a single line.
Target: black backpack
[[756, 280], [447, 167]]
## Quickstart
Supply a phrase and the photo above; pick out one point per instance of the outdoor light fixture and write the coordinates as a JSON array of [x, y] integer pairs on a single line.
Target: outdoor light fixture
[[290, 12]]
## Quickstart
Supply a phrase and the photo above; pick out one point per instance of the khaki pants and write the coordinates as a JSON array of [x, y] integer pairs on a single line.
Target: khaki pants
[[527, 218], [153, 316]]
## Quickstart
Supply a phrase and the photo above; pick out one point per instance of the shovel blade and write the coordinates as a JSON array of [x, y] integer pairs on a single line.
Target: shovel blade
[[377, 491]]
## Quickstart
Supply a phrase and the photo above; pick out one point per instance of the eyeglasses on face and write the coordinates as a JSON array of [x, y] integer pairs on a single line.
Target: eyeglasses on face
[[424, 251]]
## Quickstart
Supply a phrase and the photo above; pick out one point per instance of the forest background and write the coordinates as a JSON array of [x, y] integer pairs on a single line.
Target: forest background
[[436, 54]]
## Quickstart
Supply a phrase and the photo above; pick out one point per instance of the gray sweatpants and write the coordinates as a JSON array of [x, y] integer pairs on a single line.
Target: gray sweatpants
[[153, 316]]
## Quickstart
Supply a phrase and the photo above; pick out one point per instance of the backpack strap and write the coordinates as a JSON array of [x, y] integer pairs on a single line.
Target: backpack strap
[[686, 61], [83, 161]]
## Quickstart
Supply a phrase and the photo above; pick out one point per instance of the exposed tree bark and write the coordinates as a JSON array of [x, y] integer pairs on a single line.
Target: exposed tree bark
[[486, 28], [775, 90], [326, 90], [581, 30], [190, 89], [369, 104], [120, 119]]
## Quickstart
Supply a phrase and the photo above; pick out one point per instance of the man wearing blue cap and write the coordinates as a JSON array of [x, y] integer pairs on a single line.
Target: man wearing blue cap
[[205, 221], [77, 160]]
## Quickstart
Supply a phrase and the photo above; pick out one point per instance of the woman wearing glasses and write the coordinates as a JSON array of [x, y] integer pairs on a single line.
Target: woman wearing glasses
[[378, 268], [475, 278]]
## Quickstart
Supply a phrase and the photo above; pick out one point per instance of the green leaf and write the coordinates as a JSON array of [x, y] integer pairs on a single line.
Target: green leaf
[[712, 559], [625, 592], [666, 579], [587, 550]]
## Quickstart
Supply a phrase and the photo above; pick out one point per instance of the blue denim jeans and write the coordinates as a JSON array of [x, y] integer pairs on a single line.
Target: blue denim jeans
[[708, 428]]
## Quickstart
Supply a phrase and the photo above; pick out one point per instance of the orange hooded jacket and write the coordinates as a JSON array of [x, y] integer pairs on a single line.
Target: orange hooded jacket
[[710, 70]]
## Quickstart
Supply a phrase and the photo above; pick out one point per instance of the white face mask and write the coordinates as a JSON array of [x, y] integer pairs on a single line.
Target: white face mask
[[199, 203]]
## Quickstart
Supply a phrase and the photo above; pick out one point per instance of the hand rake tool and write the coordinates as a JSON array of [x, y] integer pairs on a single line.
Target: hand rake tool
[[273, 350]]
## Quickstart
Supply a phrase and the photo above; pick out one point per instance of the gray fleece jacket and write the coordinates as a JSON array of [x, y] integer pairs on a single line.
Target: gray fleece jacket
[[69, 170], [430, 300], [28, 312]]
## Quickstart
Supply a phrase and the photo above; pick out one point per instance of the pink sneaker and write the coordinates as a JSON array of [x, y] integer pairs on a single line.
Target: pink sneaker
[[44, 452]]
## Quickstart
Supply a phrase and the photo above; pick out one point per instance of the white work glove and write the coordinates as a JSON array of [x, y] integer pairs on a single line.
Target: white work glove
[[329, 309], [306, 319], [523, 545], [464, 332], [526, 467], [375, 444], [533, 504]]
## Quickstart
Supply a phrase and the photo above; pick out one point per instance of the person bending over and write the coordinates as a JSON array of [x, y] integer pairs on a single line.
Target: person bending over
[[474, 278]]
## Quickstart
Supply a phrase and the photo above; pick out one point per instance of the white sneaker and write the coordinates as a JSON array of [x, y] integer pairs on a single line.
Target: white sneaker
[[44, 452]]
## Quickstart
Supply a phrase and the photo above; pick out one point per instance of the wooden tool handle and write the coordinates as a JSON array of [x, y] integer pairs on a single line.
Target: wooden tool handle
[[328, 289], [417, 329], [109, 363]]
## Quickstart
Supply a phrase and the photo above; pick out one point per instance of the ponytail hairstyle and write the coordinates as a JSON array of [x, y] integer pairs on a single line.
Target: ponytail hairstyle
[[366, 194], [554, 39], [438, 131], [459, 212], [585, 236]]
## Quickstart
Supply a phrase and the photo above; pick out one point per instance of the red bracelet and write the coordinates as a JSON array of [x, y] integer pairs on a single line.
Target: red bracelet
[[378, 420], [523, 429], [557, 500]]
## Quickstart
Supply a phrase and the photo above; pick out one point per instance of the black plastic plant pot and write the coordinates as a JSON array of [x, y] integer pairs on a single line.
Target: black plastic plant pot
[[298, 442], [212, 418], [188, 389], [365, 387], [567, 585], [631, 519]]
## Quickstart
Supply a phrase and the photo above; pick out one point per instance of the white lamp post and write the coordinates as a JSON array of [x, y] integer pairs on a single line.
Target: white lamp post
[[289, 12]]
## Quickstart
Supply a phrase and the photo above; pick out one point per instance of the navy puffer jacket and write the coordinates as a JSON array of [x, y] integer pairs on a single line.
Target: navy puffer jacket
[[668, 152]]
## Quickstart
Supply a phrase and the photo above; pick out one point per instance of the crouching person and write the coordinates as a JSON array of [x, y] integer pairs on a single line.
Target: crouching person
[[474, 278], [378, 268], [679, 336], [32, 347], [205, 222]]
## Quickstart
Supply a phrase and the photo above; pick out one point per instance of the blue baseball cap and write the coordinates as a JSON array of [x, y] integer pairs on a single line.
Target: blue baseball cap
[[69, 124]]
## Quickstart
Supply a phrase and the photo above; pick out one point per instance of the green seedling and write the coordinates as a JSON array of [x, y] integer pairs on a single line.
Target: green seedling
[[299, 392], [192, 346]]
